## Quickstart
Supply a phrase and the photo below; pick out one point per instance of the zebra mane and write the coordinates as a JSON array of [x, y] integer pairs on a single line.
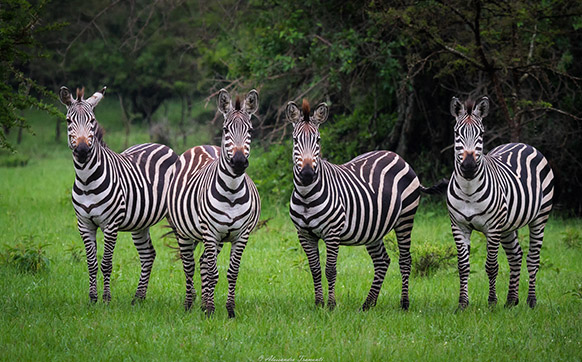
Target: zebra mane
[[469, 104], [99, 133], [237, 104], [305, 109], [80, 93]]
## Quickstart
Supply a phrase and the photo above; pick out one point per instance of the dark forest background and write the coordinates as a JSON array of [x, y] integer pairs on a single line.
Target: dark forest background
[[388, 69]]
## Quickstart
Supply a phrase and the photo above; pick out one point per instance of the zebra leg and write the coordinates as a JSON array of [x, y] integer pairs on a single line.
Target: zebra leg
[[147, 255], [110, 236], [332, 247], [514, 256], [187, 255], [310, 247], [209, 274], [463, 242], [89, 236], [232, 273], [492, 265], [536, 237], [203, 276], [381, 262], [403, 232]]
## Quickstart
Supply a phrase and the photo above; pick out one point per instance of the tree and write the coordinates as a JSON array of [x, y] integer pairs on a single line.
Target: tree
[[20, 25]]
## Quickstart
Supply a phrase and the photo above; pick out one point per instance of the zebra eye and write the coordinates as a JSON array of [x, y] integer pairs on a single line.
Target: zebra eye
[[68, 121]]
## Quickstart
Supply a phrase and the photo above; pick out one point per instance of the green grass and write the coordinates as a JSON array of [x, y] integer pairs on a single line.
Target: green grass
[[47, 315]]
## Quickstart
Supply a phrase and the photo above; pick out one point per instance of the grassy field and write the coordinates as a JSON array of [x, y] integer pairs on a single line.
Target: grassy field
[[47, 314]]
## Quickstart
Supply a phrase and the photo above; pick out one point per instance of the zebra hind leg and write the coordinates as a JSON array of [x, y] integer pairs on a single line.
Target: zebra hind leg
[[381, 262], [536, 236], [147, 255], [232, 274], [403, 233], [514, 256], [110, 236], [187, 255], [492, 266]]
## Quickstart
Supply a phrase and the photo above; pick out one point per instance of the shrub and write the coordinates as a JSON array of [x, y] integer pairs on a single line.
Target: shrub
[[426, 258], [76, 251], [26, 255], [572, 238], [14, 160]]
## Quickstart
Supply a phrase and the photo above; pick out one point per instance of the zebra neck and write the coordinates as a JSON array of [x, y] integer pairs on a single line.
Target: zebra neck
[[87, 172], [226, 179]]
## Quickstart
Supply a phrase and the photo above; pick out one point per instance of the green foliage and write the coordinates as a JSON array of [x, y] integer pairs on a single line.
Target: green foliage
[[26, 255], [20, 26], [272, 172], [572, 238], [14, 160]]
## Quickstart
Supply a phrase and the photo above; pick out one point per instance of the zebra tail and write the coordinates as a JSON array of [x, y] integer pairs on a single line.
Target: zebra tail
[[440, 188], [172, 232]]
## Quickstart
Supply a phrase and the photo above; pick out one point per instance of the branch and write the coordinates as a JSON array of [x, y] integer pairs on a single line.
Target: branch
[[87, 27]]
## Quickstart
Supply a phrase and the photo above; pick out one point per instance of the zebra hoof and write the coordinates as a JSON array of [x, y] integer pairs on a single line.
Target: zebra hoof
[[492, 303], [462, 306], [231, 314], [106, 298], [404, 304], [93, 298], [511, 303], [319, 304], [532, 301], [210, 312], [367, 305], [137, 300]]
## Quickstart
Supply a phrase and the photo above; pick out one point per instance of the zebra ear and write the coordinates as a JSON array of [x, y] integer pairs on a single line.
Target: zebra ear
[[457, 108], [292, 112], [251, 104], [481, 110], [320, 114], [224, 101], [96, 97], [65, 96]]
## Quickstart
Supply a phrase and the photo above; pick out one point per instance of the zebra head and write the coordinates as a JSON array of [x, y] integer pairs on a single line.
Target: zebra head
[[82, 128], [306, 139], [469, 135], [236, 131]]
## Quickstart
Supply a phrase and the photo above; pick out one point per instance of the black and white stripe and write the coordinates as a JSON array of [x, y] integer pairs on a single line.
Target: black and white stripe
[[497, 193], [114, 192], [356, 203], [212, 200]]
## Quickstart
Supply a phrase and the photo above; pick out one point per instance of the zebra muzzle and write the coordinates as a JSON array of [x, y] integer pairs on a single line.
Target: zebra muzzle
[[307, 174], [469, 166], [81, 152], [239, 162]]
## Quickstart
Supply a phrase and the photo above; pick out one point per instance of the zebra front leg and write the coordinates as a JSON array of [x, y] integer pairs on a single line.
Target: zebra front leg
[[463, 242], [110, 236], [309, 245], [403, 232], [210, 277], [89, 236], [332, 247], [381, 262], [536, 236], [232, 274], [514, 255], [492, 265], [147, 255], [187, 255]]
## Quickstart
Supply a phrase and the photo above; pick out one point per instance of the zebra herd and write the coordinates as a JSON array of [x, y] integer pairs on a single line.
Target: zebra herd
[[208, 198]]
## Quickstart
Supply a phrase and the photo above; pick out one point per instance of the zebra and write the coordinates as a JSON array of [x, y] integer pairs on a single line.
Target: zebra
[[114, 192], [355, 203], [496, 194], [212, 200]]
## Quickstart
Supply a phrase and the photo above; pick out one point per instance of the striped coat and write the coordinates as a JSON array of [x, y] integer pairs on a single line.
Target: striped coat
[[356, 203], [213, 201], [496, 194], [114, 192]]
